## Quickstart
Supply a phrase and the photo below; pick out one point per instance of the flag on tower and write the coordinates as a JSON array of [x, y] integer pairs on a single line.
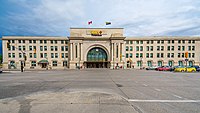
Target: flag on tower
[[90, 22], [108, 23]]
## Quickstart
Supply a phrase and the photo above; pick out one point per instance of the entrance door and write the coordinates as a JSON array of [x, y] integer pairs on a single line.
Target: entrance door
[[44, 65], [97, 58]]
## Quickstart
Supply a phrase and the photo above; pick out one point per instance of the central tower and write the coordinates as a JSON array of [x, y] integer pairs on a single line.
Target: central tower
[[96, 48]]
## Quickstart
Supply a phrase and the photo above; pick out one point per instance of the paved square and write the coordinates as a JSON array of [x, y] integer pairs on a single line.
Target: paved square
[[99, 91]]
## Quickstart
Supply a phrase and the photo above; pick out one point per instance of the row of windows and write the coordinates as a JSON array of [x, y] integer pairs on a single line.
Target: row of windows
[[160, 48], [42, 55], [40, 41], [42, 48], [160, 41], [54, 63], [160, 55]]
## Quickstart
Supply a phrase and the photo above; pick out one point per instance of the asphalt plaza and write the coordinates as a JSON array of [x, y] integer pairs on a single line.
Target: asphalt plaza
[[99, 91]]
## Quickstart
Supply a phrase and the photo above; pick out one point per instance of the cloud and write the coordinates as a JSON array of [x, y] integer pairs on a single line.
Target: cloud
[[138, 17]]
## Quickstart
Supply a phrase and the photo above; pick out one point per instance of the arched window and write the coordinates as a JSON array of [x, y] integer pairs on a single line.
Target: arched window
[[97, 55]]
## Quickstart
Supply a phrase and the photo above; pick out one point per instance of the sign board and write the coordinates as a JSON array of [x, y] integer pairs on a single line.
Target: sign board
[[96, 33]]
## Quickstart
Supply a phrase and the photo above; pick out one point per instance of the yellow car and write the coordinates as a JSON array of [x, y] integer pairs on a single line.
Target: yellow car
[[184, 69]]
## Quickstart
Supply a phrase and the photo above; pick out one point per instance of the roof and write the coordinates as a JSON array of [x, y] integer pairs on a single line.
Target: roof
[[34, 38], [43, 61], [164, 38]]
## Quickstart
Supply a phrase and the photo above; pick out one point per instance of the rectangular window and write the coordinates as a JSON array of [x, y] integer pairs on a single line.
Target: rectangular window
[[45, 41], [172, 55], [148, 42], [30, 48], [51, 41], [56, 48], [131, 48], [141, 55], [172, 48], [183, 48], [19, 41], [152, 42], [183, 55], [117, 51], [158, 42], [62, 41], [131, 42], [56, 55], [189, 48], [41, 55], [179, 48], [9, 55], [131, 55], [13, 55], [137, 55], [189, 41], [30, 55], [54, 63], [147, 48], [151, 48], [127, 42], [62, 48], [179, 55], [34, 41], [66, 42], [45, 48], [35, 55], [193, 55], [66, 55], [193, 41], [20, 55], [52, 55], [127, 48], [13, 48], [66, 48], [24, 48], [147, 55], [141, 48], [45, 55], [137, 48], [56, 41], [41, 41], [158, 48], [76, 50], [141, 42], [41, 48], [193, 48], [168, 48], [151, 55], [162, 48], [162, 41], [169, 41], [183, 41], [189, 55], [158, 55], [13, 41], [34, 47], [23, 41], [33, 63], [62, 55], [52, 48], [20, 48], [179, 41], [126, 55], [168, 55], [137, 42], [172, 41]]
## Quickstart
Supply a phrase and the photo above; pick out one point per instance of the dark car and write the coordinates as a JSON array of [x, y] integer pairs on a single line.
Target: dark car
[[197, 68]]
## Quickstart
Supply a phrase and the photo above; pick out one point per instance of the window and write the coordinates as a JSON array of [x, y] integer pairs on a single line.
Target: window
[[179, 41], [151, 41], [23, 41], [66, 42], [158, 48], [35, 56], [183, 55], [41, 41], [54, 63], [158, 42], [30, 41], [131, 48], [127, 42], [45, 48], [137, 55], [34, 47], [193, 55], [141, 48], [131, 55], [45, 55], [51, 41], [183, 48], [162, 41], [193, 48], [64, 63], [56, 41], [189, 41], [13, 55], [56, 55], [172, 41], [141, 55], [41, 55], [168, 48], [172, 48], [168, 55], [20, 55], [51, 48], [34, 41], [127, 48], [62, 41], [169, 41], [76, 50], [9, 55], [30, 55], [148, 42], [147, 48], [137, 42], [179, 55], [66, 48], [193, 41], [62, 55], [19, 47], [19, 41], [149, 63], [151, 48], [151, 55], [162, 48], [172, 55], [66, 55], [52, 55], [33, 63], [137, 48], [24, 48], [131, 42], [56, 48], [147, 55], [126, 55], [179, 48], [13, 48], [189, 48], [41, 48], [141, 42], [158, 55], [62, 48], [183, 41], [45, 41], [30, 48], [189, 55]]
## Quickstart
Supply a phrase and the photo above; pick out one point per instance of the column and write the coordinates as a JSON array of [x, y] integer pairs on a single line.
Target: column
[[81, 47], [112, 51], [71, 51]]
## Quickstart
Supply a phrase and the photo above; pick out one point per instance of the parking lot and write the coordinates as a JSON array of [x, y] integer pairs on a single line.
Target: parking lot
[[99, 91]]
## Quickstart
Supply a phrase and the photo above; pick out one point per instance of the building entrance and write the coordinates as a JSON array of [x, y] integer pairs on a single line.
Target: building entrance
[[97, 58]]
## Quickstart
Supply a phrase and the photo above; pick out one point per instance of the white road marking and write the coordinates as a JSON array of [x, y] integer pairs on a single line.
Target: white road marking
[[145, 85], [157, 89], [163, 101], [177, 96]]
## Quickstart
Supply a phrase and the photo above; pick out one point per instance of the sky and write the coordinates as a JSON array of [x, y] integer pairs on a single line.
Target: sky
[[137, 17]]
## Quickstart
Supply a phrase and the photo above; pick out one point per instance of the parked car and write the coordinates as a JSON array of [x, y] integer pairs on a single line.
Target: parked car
[[184, 69], [173, 68], [197, 68], [151, 68], [164, 68]]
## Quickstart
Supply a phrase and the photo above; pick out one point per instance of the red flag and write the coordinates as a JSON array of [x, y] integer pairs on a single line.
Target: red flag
[[90, 22]]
